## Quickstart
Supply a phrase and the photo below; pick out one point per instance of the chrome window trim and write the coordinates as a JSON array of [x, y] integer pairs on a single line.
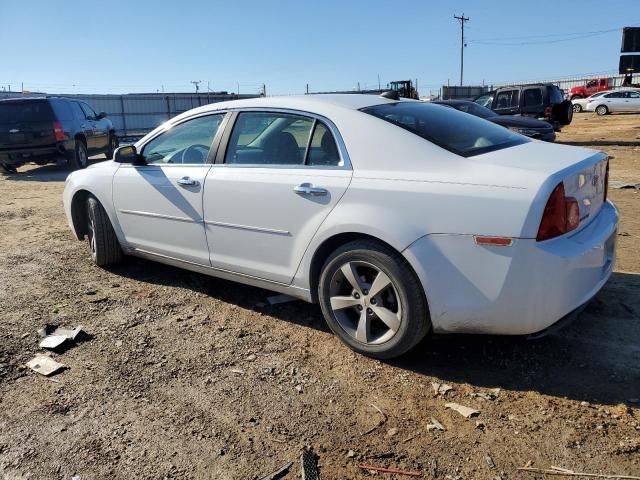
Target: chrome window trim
[[342, 149]]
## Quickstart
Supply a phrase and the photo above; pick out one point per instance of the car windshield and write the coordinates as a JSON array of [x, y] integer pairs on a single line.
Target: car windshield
[[465, 135], [29, 111]]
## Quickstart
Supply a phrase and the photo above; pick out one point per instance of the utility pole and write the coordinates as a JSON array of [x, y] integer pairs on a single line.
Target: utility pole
[[378, 82], [462, 20], [197, 84]]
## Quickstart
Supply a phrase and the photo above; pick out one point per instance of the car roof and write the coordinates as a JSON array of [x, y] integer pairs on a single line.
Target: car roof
[[320, 103]]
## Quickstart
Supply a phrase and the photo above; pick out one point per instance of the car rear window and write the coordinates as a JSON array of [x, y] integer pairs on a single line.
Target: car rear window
[[463, 134], [21, 112], [62, 109]]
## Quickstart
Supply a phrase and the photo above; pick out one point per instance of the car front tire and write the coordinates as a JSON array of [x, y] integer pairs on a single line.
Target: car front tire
[[577, 108], [103, 243], [602, 110], [113, 144], [372, 300]]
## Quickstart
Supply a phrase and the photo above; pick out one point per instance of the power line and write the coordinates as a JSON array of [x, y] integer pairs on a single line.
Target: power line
[[543, 39]]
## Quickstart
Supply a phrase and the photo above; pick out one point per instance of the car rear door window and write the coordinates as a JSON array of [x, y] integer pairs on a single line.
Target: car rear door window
[[269, 138], [507, 99], [323, 150], [555, 95], [185, 143], [532, 97], [62, 109], [463, 134], [78, 113]]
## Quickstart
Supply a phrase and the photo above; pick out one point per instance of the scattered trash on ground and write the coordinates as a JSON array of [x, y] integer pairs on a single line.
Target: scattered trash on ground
[[462, 410], [570, 473], [408, 439], [276, 299], [44, 365], [380, 423], [489, 461], [54, 336], [392, 432], [435, 425], [441, 388], [620, 184], [237, 371], [490, 395], [52, 341], [280, 472], [70, 334], [309, 465], [390, 470]]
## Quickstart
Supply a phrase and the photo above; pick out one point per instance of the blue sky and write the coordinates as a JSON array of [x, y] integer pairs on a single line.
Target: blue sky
[[140, 46]]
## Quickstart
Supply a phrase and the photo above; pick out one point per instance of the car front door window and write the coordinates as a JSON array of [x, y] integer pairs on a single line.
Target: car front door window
[[185, 143]]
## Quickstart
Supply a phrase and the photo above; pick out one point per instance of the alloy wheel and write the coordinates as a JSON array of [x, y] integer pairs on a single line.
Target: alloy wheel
[[92, 238], [82, 156], [365, 302]]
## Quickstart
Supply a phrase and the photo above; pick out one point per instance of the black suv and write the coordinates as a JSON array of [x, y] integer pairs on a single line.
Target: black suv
[[543, 101], [48, 129]]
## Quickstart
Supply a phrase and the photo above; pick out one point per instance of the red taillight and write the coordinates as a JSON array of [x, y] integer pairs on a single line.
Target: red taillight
[[548, 111], [606, 181], [58, 132], [561, 215]]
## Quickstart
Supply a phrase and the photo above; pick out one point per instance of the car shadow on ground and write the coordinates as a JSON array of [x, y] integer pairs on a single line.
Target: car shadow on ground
[[43, 173], [593, 359]]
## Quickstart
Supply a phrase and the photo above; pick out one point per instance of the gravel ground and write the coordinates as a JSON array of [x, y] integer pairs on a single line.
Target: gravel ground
[[185, 376]]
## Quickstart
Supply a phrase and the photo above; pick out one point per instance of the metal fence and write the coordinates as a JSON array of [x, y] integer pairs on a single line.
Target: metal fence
[[453, 92], [136, 114], [566, 84]]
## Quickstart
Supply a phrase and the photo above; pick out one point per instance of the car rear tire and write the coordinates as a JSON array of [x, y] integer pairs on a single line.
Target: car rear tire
[[372, 300], [564, 112], [577, 108], [602, 110], [80, 157], [103, 243], [113, 144]]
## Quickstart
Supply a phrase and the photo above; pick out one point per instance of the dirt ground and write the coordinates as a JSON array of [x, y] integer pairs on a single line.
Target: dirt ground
[[185, 376]]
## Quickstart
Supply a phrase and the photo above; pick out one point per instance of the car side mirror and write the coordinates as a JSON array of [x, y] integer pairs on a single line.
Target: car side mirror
[[101, 115], [126, 154]]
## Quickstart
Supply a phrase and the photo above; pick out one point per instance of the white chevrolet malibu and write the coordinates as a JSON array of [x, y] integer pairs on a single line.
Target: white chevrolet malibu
[[399, 218]]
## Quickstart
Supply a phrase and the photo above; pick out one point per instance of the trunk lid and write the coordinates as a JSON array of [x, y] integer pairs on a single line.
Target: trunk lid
[[26, 123], [582, 171]]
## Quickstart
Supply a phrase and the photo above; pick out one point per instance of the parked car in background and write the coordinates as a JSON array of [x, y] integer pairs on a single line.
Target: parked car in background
[[580, 104], [590, 87], [49, 130], [527, 126], [615, 102], [542, 101], [398, 217]]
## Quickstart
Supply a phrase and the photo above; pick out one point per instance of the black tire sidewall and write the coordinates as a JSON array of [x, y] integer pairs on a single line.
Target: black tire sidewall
[[75, 163], [414, 311]]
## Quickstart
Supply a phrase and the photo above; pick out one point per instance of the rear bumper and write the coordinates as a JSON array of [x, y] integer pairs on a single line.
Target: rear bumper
[[515, 290], [20, 156]]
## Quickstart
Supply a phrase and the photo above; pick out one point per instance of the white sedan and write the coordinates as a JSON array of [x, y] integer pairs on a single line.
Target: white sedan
[[615, 101], [399, 218], [580, 104]]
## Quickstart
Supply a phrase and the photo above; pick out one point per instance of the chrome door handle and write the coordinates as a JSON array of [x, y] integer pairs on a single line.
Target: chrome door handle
[[187, 182], [309, 189]]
